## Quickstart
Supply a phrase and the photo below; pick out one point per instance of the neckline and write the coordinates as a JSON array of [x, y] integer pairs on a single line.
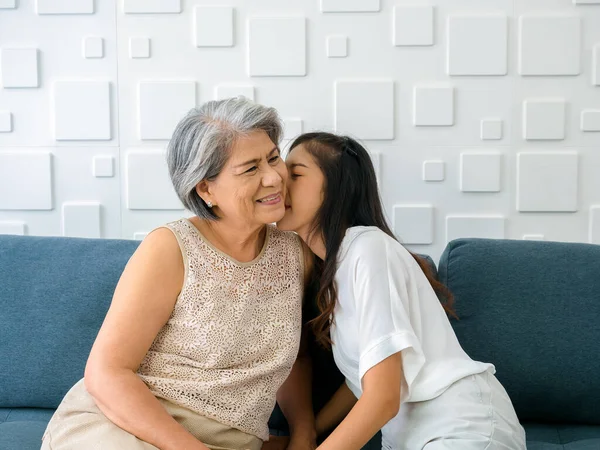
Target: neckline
[[225, 255]]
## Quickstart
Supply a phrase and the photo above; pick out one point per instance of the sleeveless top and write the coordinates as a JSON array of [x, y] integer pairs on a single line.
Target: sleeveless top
[[234, 333]]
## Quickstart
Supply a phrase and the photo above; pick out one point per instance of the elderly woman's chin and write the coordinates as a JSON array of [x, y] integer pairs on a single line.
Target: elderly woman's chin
[[270, 213]]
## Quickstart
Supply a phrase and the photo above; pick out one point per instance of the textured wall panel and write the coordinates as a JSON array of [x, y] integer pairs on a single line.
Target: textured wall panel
[[148, 182], [337, 46], [5, 122], [292, 128], [477, 45], [491, 129], [81, 110], [433, 106], [139, 47], [547, 182], [550, 45], [350, 5], [413, 224], [480, 172], [434, 170], [233, 90], [213, 26], [64, 6], [93, 47], [594, 233], [104, 166], [413, 25], [81, 220], [17, 228], [8, 4], [161, 105], [596, 65], [151, 6], [277, 46], [364, 108], [544, 119], [590, 120], [485, 227], [19, 67], [25, 180]]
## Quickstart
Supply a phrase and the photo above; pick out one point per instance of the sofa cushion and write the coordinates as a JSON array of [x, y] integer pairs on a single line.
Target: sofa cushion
[[532, 309], [562, 437], [54, 296], [22, 428]]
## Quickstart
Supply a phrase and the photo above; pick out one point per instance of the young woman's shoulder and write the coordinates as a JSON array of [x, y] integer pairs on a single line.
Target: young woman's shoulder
[[371, 240]]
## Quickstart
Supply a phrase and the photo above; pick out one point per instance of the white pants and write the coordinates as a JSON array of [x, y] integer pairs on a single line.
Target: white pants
[[475, 413]]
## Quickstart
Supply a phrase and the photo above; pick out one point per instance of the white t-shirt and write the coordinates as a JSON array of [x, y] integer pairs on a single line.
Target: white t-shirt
[[386, 305]]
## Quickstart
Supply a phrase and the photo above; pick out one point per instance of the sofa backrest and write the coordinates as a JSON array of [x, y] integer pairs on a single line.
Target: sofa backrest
[[54, 294], [533, 309]]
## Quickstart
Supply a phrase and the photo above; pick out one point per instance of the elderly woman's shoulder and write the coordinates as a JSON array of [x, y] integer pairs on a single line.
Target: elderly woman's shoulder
[[284, 237]]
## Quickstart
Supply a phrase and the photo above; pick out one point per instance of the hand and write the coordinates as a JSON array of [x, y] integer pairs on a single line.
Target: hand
[[276, 443]]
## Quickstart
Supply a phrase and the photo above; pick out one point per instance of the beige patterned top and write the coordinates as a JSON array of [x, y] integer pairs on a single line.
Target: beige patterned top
[[234, 333]]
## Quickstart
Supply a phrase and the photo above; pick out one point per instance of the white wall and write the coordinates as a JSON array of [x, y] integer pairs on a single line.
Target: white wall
[[82, 138]]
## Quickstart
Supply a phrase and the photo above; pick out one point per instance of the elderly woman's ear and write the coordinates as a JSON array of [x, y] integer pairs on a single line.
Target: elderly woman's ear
[[203, 191]]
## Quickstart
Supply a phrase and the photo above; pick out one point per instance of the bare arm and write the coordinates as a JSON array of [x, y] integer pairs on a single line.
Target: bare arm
[[379, 403], [335, 410], [143, 302]]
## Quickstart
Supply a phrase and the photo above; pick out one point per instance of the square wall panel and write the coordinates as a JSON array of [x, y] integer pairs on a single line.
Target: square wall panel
[[82, 110], [148, 183], [213, 26], [434, 171], [25, 180], [162, 104], [65, 6], [139, 47], [413, 25], [482, 227], [544, 119], [550, 45], [413, 224], [586, 2], [19, 67], [491, 129], [590, 120], [277, 46], [433, 106], [223, 91], [596, 65], [5, 122], [350, 5], [16, 228], [477, 45], [595, 225], [291, 128], [337, 46], [365, 109], [103, 166], [81, 219], [151, 6], [93, 47], [480, 172], [8, 4], [547, 182]]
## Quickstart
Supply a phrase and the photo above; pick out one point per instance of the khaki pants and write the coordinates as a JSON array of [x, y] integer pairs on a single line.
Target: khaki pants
[[78, 424]]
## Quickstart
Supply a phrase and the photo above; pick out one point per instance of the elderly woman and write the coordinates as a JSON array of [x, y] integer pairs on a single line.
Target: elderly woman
[[205, 323]]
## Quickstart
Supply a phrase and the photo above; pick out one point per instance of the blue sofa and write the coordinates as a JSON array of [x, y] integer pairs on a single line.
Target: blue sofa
[[531, 308]]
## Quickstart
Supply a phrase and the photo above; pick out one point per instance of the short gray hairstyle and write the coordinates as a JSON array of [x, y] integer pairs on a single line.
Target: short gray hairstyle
[[202, 141]]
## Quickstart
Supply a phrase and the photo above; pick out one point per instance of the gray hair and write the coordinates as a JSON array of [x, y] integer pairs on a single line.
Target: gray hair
[[202, 141]]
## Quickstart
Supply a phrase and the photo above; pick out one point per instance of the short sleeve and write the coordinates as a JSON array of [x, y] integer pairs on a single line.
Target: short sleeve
[[384, 327]]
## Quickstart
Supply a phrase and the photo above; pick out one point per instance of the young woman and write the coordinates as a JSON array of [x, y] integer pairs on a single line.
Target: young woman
[[390, 335]]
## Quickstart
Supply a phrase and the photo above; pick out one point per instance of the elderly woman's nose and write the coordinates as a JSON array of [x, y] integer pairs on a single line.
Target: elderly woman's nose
[[271, 177]]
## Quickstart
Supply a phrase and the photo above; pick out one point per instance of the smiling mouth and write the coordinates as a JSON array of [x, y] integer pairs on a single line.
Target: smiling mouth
[[270, 200]]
